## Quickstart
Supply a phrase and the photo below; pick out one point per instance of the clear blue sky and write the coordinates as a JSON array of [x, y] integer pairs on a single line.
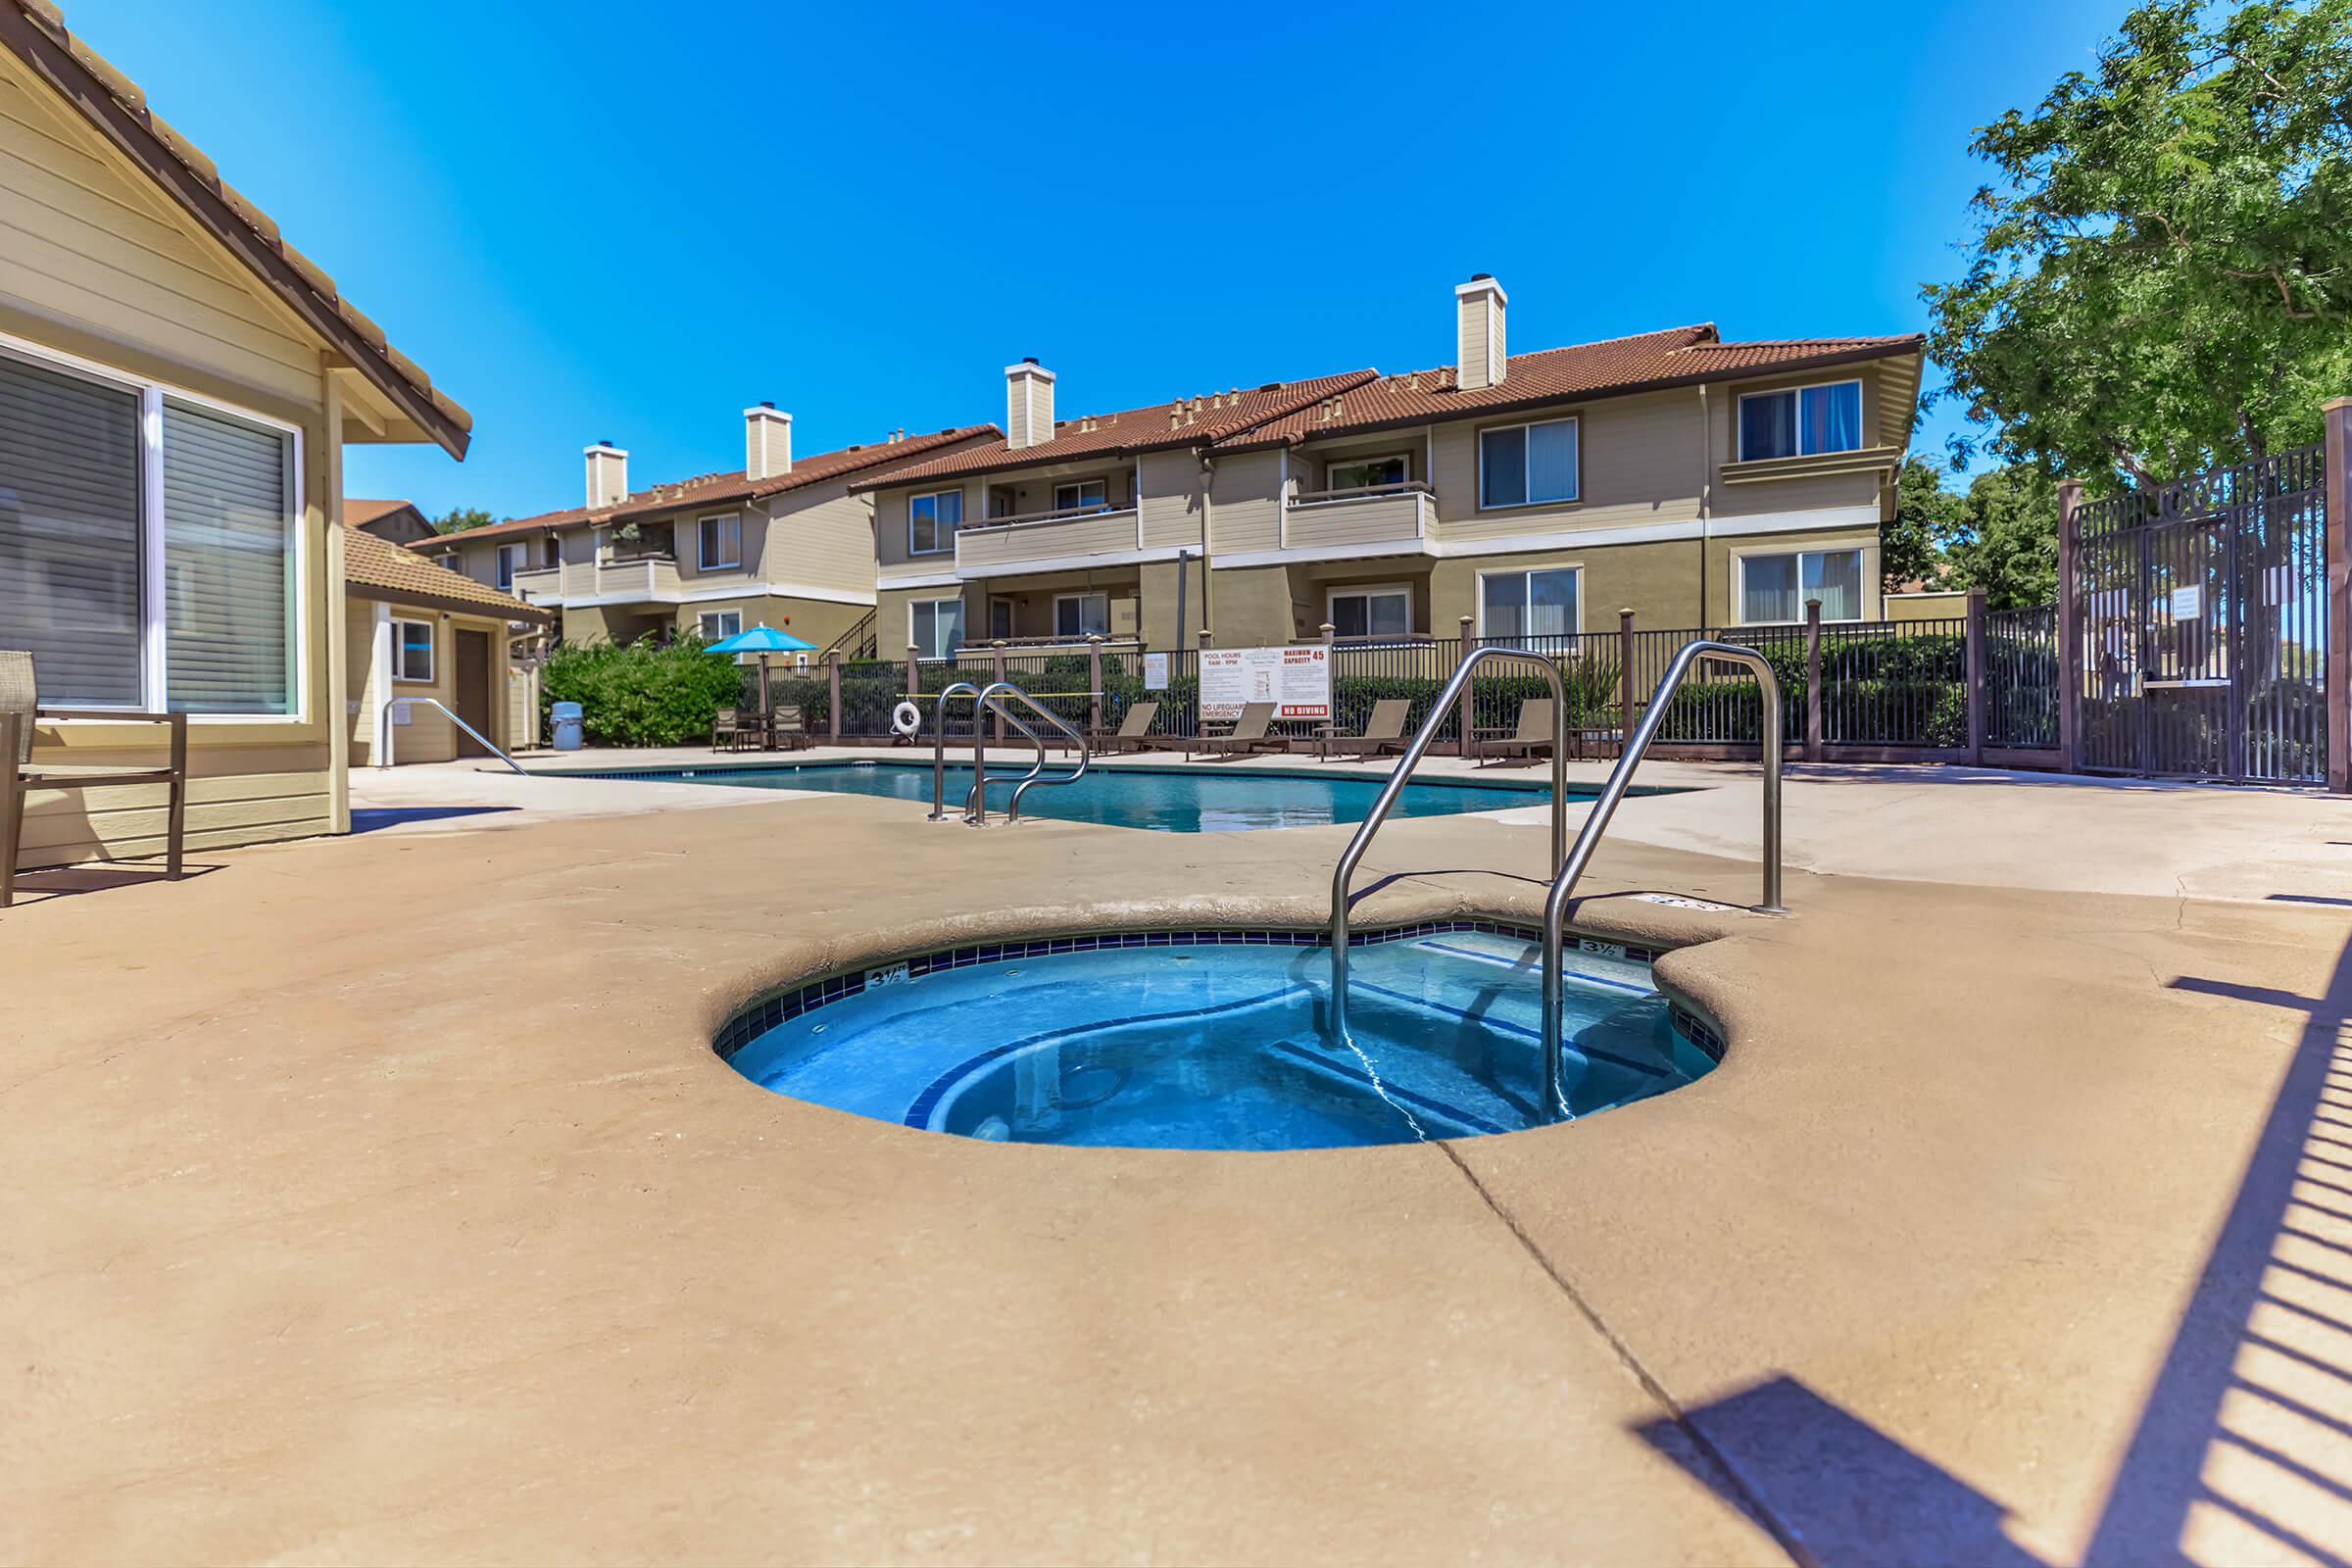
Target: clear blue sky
[[627, 220]]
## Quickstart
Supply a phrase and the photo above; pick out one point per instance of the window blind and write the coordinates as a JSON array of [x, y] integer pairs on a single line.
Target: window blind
[[70, 533], [227, 564]]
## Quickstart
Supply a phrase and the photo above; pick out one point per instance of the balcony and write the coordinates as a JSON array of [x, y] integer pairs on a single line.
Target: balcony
[[997, 546], [1387, 519], [646, 578], [541, 585]]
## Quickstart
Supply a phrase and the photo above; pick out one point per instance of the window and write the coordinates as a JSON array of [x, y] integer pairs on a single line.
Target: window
[[932, 522], [1801, 421], [1775, 588], [1386, 612], [714, 624], [1083, 495], [451, 561], [148, 554], [1082, 615], [551, 551], [719, 543], [1362, 473], [935, 626], [1521, 464], [510, 561], [1528, 604], [412, 650]]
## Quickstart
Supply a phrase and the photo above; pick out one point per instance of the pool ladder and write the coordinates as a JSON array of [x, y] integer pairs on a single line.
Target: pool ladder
[[1571, 865], [988, 699]]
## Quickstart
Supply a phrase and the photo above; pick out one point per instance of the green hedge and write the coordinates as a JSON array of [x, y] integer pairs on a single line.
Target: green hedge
[[639, 694]]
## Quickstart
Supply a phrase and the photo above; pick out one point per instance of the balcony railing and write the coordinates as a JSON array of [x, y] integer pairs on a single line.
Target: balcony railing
[[1002, 544], [541, 585], [648, 577], [1366, 517]]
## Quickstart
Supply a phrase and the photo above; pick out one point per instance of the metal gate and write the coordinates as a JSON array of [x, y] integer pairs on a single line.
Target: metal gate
[[2202, 612]]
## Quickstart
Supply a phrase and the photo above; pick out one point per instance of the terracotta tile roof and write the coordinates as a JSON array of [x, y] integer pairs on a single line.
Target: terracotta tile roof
[[710, 489], [359, 514], [1184, 423], [116, 109], [377, 568], [1676, 356]]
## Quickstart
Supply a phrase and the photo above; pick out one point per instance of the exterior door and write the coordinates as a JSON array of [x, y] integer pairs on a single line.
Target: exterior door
[[473, 688]]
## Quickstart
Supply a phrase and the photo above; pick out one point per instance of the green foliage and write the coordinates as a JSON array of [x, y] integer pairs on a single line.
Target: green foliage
[[2161, 271], [1927, 517], [460, 518], [640, 694], [2000, 534]]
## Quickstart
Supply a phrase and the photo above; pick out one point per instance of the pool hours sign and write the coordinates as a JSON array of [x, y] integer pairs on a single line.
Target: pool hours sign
[[1297, 681]]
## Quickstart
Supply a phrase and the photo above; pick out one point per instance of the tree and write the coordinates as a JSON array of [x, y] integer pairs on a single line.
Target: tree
[[1926, 518], [2162, 276], [2009, 544], [460, 519]]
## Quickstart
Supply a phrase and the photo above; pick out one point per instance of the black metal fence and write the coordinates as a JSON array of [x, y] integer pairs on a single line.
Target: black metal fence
[[2020, 678]]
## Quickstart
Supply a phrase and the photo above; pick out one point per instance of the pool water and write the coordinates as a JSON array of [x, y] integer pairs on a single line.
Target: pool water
[[1196, 799], [1199, 1043]]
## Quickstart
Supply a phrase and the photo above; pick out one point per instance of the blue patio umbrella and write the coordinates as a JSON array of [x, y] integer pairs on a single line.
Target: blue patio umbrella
[[762, 640]]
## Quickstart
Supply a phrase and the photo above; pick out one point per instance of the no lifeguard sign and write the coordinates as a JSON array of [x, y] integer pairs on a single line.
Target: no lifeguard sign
[[1297, 681]]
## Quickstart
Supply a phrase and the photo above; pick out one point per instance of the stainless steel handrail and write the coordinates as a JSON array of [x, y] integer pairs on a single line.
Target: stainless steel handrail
[[1402, 775], [482, 739], [939, 744], [1604, 806], [987, 700], [1086, 751]]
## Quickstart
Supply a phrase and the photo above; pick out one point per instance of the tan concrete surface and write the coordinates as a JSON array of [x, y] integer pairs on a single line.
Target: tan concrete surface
[[381, 1199]]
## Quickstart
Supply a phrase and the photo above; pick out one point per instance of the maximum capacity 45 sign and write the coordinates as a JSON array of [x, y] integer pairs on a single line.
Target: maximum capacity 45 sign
[[1297, 681]]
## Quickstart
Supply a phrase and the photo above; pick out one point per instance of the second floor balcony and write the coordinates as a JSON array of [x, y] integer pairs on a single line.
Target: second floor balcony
[[1399, 519], [999, 545]]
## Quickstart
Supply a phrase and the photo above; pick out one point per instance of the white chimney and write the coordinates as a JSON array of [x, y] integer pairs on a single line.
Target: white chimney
[[607, 474], [766, 442], [1478, 329], [1028, 405]]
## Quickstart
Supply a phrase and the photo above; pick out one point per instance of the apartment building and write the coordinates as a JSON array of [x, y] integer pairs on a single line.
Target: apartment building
[[1694, 480], [786, 542]]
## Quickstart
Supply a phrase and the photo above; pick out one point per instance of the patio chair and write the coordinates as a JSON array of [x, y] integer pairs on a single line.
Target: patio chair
[[1383, 731], [792, 727], [729, 729], [1533, 735], [1248, 734], [1133, 730], [19, 711]]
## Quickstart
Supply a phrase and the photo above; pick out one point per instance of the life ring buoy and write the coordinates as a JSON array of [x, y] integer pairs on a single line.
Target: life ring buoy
[[907, 719]]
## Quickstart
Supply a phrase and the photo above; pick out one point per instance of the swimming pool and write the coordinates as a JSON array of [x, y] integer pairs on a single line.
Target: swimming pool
[[1169, 799], [1220, 1039]]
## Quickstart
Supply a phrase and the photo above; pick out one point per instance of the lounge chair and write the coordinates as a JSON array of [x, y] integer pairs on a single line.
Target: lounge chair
[[19, 711], [1248, 734], [729, 729], [1133, 730], [1383, 732], [1533, 735]]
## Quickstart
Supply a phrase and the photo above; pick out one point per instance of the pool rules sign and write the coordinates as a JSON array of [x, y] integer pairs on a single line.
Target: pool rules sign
[[1297, 681]]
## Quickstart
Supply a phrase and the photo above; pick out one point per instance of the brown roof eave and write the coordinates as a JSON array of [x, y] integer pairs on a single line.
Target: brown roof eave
[[518, 610], [1875, 351], [81, 87]]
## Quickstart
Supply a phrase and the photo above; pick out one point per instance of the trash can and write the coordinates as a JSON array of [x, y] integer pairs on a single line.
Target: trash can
[[565, 719]]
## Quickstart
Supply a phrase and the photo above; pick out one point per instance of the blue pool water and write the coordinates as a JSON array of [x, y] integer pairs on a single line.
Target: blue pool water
[[1202, 1044], [1198, 800]]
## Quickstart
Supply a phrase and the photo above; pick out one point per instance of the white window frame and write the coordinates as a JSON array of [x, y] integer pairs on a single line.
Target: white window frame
[[933, 650], [1094, 592], [1739, 420], [154, 601], [1524, 607], [702, 561], [1080, 486], [1369, 591], [1741, 558], [720, 615], [937, 549], [501, 575], [1485, 430], [1404, 458], [400, 653]]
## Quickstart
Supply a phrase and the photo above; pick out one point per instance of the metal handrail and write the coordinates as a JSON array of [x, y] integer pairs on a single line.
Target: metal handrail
[[939, 745], [1604, 806], [1086, 751], [987, 700], [482, 739], [1402, 774]]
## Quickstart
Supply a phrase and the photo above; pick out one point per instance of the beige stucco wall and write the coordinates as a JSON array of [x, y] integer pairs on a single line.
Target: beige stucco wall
[[429, 736], [97, 264]]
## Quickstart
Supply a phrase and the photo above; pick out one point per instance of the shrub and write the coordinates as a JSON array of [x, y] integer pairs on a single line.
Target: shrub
[[640, 694]]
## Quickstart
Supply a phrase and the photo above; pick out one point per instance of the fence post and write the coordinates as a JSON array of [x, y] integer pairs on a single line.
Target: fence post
[[1461, 744], [1975, 677], [2070, 629], [914, 678], [1625, 678], [1093, 681], [2338, 479], [833, 696], [1813, 680], [996, 658]]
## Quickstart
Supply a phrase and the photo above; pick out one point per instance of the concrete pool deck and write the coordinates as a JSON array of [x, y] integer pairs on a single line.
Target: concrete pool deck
[[381, 1199]]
